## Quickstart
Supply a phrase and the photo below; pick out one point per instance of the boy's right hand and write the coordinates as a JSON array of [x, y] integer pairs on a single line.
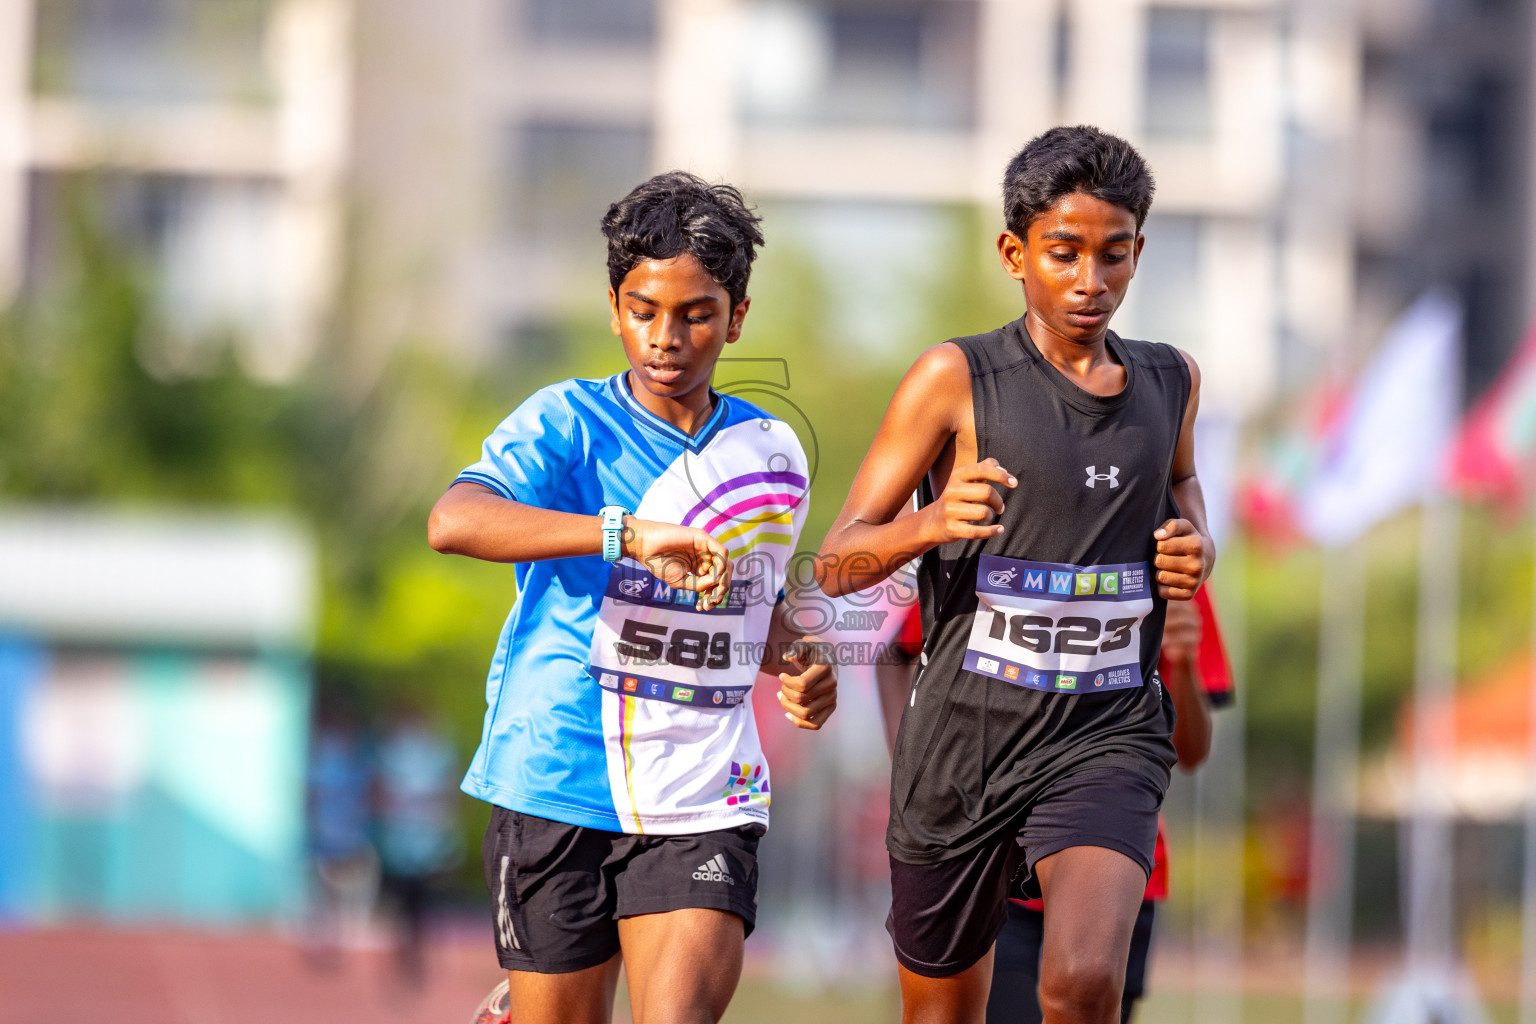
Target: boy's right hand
[[970, 500], [683, 557]]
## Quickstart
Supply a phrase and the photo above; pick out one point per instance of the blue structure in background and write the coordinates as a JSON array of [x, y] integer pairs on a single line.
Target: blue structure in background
[[153, 724], [21, 666]]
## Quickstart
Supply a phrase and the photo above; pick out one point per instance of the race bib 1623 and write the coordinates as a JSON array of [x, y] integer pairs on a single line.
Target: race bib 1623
[[1059, 628]]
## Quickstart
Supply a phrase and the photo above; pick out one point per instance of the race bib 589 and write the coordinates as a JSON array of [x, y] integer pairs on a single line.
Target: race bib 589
[[652, 641], [1060, 628]]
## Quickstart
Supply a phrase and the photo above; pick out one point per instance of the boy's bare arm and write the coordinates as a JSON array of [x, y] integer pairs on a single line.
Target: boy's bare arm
[[476, 521], [870, 538], [1185, 552], [1192, 708]]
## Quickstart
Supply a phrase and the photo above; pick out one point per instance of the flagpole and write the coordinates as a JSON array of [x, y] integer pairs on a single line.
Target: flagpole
[[1387, 456], [1335, 780], [1221, 822], [1528, 894], [1431, 944]]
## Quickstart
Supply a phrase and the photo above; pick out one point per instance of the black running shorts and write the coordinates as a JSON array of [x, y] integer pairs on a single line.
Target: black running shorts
[[946, 915], [558, 891]]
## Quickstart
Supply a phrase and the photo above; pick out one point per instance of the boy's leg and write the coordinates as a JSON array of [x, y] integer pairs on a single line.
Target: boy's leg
[[682, 966], [552, 917], [578, 997], [1136, 967], [945, 918], [958, 999], [1015, 994], [685, 905], [1092, 895]]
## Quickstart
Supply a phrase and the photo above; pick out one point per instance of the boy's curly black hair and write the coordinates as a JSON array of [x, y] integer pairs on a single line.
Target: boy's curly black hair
[[678, 212], [1065, 160]]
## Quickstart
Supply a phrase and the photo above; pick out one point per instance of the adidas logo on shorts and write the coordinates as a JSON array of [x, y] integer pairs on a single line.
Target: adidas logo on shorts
[[714, 870]]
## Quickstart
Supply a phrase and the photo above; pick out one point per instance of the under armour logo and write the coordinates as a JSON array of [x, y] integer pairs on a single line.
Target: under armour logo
[[1113, 476]]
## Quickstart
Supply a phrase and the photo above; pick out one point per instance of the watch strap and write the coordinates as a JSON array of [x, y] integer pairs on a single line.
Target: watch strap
[[613, 531]]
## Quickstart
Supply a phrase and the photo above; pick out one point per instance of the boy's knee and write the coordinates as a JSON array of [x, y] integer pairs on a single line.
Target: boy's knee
[[1082, 988]]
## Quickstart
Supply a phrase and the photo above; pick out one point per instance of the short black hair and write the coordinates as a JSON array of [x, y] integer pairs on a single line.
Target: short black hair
[[678, 212], [1065, 160]]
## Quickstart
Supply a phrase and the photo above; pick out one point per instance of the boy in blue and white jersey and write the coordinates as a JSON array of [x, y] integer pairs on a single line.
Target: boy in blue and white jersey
[[651, 521]]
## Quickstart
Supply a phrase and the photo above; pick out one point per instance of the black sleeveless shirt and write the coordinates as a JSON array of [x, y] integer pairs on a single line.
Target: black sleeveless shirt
[[976, 744]]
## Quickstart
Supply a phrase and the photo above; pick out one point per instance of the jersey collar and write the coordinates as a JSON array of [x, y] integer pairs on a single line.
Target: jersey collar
[[693, 442]]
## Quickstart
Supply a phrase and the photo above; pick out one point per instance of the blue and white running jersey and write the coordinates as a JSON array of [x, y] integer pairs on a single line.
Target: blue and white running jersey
[[612, 702]]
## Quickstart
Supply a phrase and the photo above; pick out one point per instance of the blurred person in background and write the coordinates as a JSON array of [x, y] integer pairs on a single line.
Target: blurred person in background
[[344, 865], [1195, 669], [620, 753], [416, 793], [893, 673]]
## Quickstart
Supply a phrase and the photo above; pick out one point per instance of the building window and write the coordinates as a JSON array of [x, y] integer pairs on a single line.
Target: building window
[[1168, 294], [1061, 51], [153, 50], [564, 176], [896, 65], [1178, 85], [590, 21], [1466, 136]]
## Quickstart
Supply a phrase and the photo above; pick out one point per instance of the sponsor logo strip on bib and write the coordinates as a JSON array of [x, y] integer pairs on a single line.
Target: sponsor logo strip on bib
[[627, 585], [1059, 628], [635, 685], [1115, 678], [1048, 581]]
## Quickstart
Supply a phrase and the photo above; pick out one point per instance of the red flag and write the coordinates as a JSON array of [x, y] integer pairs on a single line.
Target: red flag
[[1493, 453], [1268, 493]]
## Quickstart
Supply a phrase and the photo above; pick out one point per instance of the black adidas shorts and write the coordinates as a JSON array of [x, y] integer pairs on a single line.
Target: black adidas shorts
[[558, 890]]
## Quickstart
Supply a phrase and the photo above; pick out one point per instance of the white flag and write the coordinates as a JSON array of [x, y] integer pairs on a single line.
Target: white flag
[[1390, 448]]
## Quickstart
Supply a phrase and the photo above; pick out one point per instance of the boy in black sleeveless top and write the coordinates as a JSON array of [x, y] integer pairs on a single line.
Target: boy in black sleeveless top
[[1059, 513]]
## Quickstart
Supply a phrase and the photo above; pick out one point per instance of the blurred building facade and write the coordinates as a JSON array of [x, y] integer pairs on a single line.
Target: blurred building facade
[[1445, 164], [868, 116], [216, 136], [441, 167]]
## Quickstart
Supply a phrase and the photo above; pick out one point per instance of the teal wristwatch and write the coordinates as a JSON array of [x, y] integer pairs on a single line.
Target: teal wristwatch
[[613, 531]]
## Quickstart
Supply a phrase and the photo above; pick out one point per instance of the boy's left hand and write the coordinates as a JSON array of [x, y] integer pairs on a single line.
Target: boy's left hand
[[809, 698], [1183, 560]]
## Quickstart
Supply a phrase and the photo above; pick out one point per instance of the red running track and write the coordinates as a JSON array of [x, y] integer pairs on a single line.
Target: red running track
[[58, 976]]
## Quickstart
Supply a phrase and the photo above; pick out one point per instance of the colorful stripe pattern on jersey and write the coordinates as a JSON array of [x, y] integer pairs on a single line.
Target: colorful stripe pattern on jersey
[[612, 702]]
